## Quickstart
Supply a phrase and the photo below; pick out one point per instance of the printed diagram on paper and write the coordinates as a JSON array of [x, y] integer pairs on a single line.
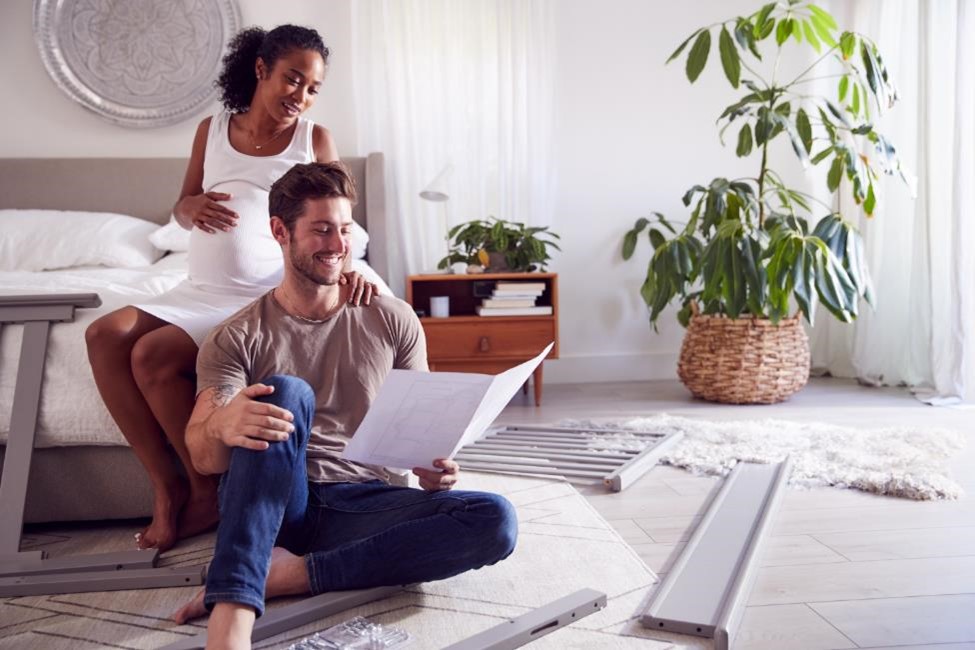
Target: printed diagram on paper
[[418, 417], [417, 428]]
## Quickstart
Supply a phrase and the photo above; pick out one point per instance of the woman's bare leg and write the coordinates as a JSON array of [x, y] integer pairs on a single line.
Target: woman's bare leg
[[111, 340], [164, 367]]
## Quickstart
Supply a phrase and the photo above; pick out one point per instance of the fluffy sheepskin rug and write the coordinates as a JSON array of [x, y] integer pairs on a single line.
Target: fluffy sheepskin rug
[[894, 461]]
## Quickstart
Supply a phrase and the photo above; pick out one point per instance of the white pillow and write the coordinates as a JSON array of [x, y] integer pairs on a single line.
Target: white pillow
[[173, 237], [360, 241], [42, 240]]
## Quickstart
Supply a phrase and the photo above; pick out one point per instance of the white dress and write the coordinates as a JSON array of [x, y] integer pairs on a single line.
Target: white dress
[[228, 270]]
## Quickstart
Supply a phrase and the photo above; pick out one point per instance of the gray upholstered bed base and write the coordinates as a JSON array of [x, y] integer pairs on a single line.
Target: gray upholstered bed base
[[93, 483], [86, 483]]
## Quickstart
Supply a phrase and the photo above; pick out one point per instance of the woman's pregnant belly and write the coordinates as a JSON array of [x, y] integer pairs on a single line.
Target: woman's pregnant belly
[[247, 258]]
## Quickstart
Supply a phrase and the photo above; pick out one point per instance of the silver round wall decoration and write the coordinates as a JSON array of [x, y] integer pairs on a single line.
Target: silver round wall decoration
[[137, 63]]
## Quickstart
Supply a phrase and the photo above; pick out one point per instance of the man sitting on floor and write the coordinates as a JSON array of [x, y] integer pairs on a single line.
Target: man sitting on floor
[[286, 497]]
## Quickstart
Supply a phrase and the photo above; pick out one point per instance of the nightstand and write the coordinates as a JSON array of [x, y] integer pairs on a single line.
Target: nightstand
[[466, 342]]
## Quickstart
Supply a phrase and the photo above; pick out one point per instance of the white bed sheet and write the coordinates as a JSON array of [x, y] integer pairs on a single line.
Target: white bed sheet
[[72, 412]]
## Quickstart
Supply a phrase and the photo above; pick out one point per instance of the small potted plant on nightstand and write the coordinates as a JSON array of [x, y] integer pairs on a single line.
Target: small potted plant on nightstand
[[754, 247], [500, 246]]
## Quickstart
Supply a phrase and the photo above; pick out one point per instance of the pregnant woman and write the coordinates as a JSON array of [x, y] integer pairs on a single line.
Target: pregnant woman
[[143, 356]]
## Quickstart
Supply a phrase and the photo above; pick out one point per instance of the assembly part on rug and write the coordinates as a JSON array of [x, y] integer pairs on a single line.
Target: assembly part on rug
[[908, 462]]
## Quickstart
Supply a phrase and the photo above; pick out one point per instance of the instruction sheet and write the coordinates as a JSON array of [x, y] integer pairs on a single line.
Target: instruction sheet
[[418, 417]]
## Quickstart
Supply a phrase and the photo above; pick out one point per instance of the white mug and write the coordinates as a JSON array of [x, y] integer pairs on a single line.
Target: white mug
[[440, 306]]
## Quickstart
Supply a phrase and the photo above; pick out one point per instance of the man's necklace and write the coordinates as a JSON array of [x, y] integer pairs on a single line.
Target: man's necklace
[[291, 310]]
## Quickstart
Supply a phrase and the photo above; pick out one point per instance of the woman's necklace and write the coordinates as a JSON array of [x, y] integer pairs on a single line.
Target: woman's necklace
[[267, 142]]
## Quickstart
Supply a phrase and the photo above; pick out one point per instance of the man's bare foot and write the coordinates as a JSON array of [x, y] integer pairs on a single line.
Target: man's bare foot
[[161, 532], [287, 576], [200, 513]]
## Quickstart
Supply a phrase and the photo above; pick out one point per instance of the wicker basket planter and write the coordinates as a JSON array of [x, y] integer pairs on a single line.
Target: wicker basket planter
[[744, 360]]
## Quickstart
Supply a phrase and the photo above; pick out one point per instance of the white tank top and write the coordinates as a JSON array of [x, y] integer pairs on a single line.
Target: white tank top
[[246, 260]]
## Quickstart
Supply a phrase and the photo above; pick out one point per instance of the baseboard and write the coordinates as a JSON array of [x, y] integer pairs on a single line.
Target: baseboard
[[611, 367]]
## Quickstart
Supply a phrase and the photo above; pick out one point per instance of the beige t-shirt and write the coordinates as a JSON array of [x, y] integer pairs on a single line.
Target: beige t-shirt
[[345, 359]]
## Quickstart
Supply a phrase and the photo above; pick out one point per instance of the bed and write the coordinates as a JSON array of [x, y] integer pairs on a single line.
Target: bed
[[82, 468]]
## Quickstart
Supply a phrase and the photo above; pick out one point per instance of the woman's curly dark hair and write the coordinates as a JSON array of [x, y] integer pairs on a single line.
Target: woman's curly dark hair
[[237, 80]]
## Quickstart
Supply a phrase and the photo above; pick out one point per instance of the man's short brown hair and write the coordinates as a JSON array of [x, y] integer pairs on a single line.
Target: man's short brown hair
[[308, 181]]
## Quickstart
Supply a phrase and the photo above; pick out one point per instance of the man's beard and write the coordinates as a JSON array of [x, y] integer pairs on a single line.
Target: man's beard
[[306, 266]]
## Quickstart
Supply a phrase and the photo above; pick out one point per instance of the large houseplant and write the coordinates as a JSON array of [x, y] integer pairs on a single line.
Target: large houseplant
[[500, 245], [753, 247]]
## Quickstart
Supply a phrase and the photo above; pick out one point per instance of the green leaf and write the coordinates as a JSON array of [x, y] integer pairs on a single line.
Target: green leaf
[[763, 126], [762, 17], [729, 57], [689, 194], [666, 224], [835, 173], [629, 244], [805, 129], [810, 33], [870, 202], [802, 280], [794, 137], [844, 86], [823, 31], [657, 239], [823, 16], [767, 28], [838, 114], [682, 46], [822, 155], [855, 103], [698, 56], [744, 141], [848, 43], [868, 66], [783, 31]]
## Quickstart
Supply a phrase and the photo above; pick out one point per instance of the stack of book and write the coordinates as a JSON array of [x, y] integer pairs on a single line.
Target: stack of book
[[515, 298]]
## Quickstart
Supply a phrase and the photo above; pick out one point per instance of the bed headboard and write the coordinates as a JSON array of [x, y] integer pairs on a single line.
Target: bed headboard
[[147, 188]]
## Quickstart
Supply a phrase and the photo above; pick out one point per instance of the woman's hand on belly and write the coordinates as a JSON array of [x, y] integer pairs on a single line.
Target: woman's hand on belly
[[206, 213]]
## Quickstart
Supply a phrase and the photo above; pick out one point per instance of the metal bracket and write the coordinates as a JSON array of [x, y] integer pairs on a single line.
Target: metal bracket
[[30, 573], [517, 632], [565, 452], [706, 591]]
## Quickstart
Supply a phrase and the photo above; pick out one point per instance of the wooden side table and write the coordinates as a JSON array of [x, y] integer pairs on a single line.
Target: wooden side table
[[466, 342]]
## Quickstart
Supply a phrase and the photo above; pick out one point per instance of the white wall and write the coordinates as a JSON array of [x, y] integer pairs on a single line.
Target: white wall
[[632, 136], [40, 121]]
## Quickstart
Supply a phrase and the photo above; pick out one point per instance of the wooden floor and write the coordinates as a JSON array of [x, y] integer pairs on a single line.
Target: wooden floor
[[843, 569]]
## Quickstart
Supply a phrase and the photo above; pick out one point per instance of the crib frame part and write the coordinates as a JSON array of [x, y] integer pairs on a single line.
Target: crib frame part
[[31, 573], [567, 452], [706, 590], [528, 627]]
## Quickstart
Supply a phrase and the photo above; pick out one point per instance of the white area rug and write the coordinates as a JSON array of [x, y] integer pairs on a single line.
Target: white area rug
[[564, 545], [907, 462]]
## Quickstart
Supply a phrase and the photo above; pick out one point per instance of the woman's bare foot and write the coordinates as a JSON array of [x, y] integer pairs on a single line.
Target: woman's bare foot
[[287, 576], [161, 532], [191, 610], [200, 513]]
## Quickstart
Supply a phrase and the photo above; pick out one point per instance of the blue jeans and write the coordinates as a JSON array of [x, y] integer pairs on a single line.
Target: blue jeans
[[353, 535]]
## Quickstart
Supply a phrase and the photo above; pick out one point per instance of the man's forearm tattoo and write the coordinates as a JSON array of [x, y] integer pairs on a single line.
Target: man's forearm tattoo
[[222, 394]]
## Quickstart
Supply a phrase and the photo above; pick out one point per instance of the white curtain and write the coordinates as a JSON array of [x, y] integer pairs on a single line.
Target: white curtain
[[921, 250], [461, 82]]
